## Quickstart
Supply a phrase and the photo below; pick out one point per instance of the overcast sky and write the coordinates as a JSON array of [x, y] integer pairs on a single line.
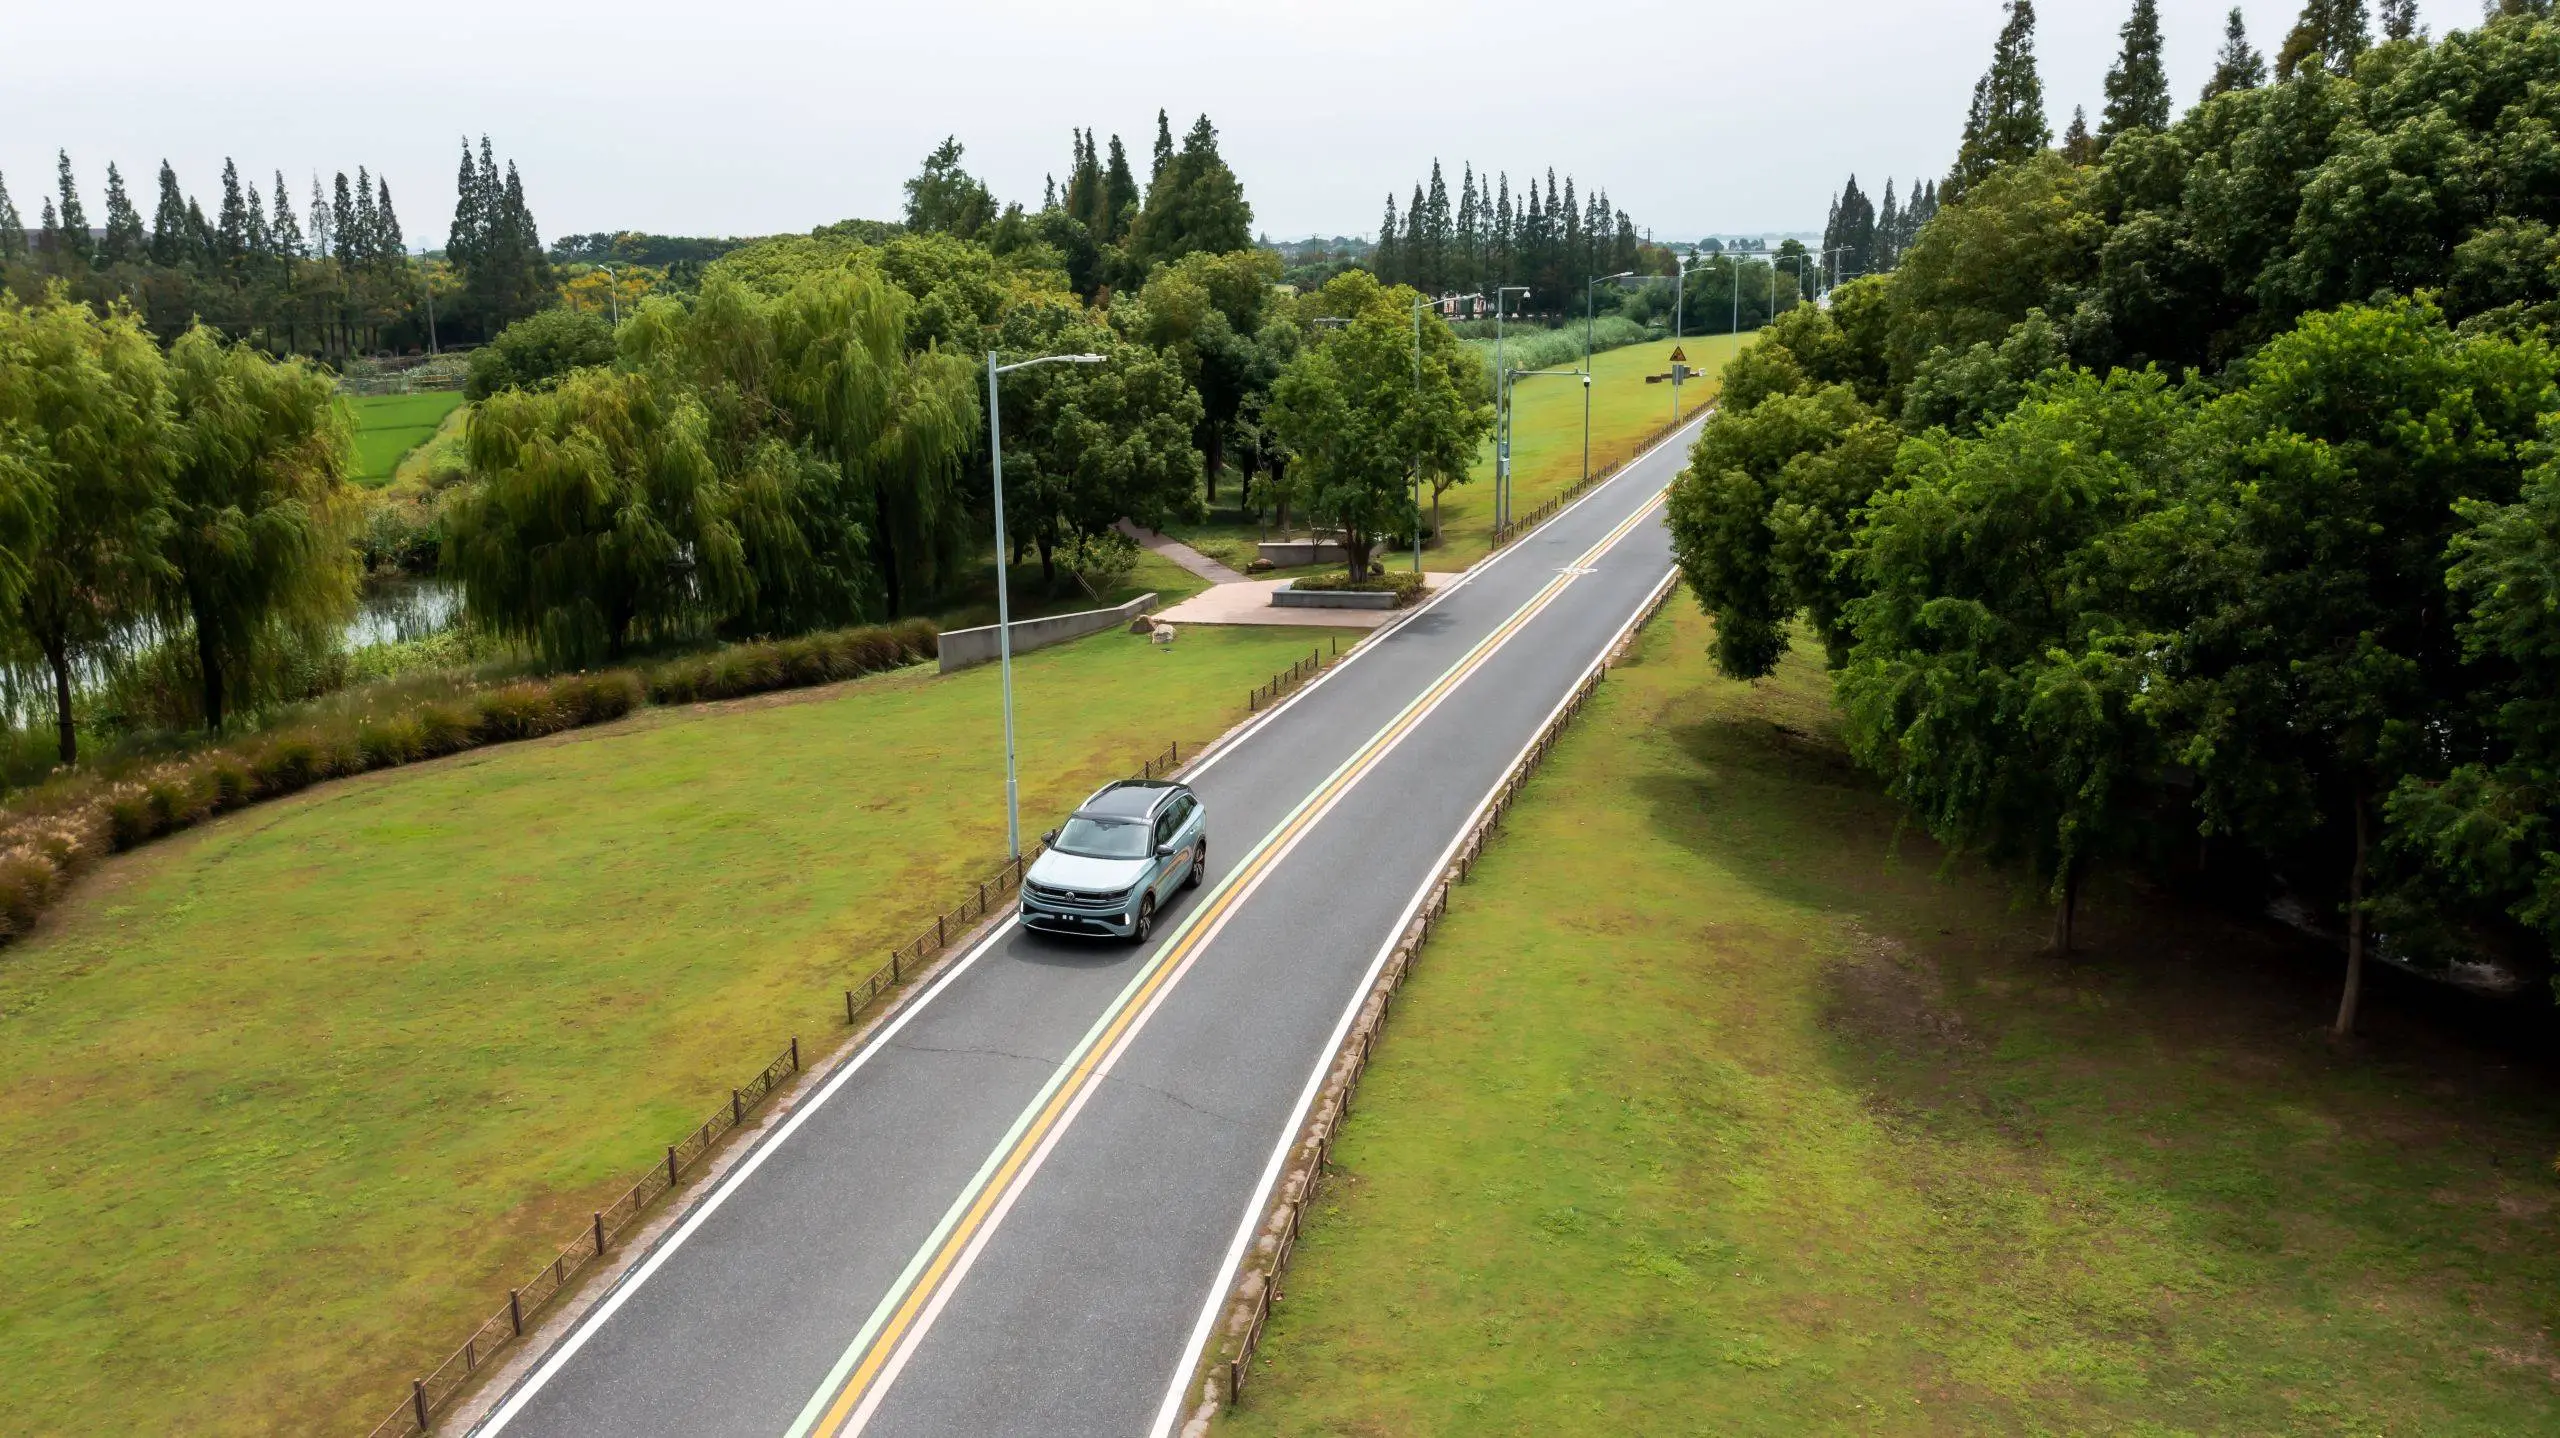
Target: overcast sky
[[759, 116]]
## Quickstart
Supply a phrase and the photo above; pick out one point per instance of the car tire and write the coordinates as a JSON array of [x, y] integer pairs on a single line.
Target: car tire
[[1146, 925], [1199, 865]]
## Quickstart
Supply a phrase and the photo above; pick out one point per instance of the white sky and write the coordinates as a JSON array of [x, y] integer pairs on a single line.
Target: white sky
[[759, 116]]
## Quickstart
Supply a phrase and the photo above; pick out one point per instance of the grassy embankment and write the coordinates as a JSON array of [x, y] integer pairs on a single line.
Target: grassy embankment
[[389, 426], [1546, 449], [1706, 1113], [288, 1099]]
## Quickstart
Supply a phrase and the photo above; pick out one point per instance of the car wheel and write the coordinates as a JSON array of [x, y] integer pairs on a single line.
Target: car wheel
[[1199, 865], [1146, 919]]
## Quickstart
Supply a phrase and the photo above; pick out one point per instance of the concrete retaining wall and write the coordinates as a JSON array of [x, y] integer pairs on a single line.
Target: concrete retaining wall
[[1290, 553], [1290, 596], [964, 647]]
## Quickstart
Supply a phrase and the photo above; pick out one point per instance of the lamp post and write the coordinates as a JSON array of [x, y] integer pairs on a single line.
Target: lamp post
[[1501, 415], [1591, 288], [1004, 603], [1444, 302]]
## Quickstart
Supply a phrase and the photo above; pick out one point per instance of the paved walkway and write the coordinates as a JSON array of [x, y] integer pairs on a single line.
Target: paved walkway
[[1248, 601], [1181, 553]]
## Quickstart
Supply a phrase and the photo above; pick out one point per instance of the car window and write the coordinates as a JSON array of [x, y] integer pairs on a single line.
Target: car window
[[1103, 838], [1167, 822], [1182, 809]]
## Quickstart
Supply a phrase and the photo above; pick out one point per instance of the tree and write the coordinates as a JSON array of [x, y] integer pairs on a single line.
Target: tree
[[2137, 84], [13, 230], [76, 239], [284, 233], [1088, 445], [600, 517], [493, 244], [945, 197], [259, 507], [389, 246], [2328, 35], [2238, 66], [1358, 430], [1119, 197], [1207, 310], [2399, 20], [539, 351], [2006, 124], [124, 243], [1193, 204], [2321, 675], [2078, 145], [82, 404]]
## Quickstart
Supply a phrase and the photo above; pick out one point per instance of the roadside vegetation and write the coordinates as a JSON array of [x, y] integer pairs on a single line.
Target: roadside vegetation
[[1723, 1103], [2183, 500], [389, 427], [289, 1094]]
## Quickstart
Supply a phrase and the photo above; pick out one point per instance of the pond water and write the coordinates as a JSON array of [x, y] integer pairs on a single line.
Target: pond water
[[395, 611]]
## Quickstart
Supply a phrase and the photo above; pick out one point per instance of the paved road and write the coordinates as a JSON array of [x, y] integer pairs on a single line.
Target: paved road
[[1013, 1212]]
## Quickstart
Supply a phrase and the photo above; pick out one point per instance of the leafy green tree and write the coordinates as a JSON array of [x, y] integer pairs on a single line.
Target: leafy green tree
[[1359, 432], [598, 519], [124, 242], [2329, 34], [2138, 83], [2023, 240], [82, 406], [169, 245], [1966, 391], [2323, 674], [2238, 65], [1208, 311], [2006, 125], [945, 197], [1086, 446], [2078, 145], [2002, 662], [259, 508], [2399, 20], [1119, 197], [1194, 203], [13, 230], [537, 352]]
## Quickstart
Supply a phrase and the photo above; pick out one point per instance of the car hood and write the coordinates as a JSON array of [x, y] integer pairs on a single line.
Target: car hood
[[1091, 876]]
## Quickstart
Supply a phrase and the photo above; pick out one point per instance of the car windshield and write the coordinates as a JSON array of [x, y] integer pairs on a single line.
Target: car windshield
[[1103, 838]]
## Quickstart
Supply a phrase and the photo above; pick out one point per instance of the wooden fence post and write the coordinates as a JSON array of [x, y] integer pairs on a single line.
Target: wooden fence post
[[599, 1233], [418, 1399], [848, 1006], [795, 1053], [737, 1109], [515, 1312], [671, 1165]]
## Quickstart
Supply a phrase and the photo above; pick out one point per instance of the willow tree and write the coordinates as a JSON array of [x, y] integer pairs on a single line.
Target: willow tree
[[260, 511], [600, 517], [82, 400]]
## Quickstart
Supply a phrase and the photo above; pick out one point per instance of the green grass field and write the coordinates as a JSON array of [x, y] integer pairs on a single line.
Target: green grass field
[[388, 426], [288, 1100], [1705, 1113]]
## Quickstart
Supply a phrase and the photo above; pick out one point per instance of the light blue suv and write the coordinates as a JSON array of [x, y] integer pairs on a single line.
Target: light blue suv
[[1117, 860]]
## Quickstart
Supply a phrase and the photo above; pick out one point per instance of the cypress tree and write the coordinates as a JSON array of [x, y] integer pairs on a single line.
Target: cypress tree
[[366, 243], [201, 241], [170, 221], [125, 242], [2006, 123], [261, 246], [2328, 35], [324, 222], [2239, 66], [1439, 234], [2078, 145], [390, 246], [1384, 260], [2399, 19], [346, 223], [1164, 151], [1119, 196], [74, 220], [462, 241], [1888, 230], [1084, 189], [1416, 248], [49, 235], [13, 230], [1506, 227], [2138, 85], [1468, 272], [284, 232], [231, 228]]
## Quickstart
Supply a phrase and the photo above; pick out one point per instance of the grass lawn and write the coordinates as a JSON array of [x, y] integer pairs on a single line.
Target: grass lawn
[[388, 426], [1706, 1113], [289, 1099]]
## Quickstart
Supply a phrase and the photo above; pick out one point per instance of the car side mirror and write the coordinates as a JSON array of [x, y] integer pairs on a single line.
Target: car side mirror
[[1164, 851], [1049, 838]]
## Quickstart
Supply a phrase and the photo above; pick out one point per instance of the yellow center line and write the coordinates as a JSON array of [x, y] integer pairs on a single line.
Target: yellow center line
[[1100, 1048]]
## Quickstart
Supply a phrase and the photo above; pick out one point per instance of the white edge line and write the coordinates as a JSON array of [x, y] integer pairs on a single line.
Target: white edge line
[[532, 1384], [1223, 1284], [630, 1282]]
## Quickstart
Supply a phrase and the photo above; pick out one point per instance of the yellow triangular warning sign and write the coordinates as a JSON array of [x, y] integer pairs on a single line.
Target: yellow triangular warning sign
[[1678, 355]]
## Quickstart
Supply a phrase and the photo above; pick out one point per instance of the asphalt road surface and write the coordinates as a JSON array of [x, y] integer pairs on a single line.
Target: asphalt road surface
[[1016, 1210]]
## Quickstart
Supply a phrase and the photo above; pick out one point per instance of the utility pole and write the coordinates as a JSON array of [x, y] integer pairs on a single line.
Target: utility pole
[[1501, 414]]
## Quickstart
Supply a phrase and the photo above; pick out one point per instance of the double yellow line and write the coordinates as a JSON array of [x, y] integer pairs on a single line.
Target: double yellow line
[[853, 1389]]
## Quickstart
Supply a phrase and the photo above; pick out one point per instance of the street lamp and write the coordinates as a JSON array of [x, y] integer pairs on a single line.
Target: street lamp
[[1590, 288], [1501, 415], [1004, 604]]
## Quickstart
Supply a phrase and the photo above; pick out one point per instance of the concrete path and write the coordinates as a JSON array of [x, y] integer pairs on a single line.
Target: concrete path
[[1248, 601], [1181, 553]]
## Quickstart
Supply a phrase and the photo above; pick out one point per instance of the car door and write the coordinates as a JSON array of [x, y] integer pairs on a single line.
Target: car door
[[1168, 824]]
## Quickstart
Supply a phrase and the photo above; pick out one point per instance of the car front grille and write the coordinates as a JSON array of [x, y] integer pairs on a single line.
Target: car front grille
[[1075, 900]]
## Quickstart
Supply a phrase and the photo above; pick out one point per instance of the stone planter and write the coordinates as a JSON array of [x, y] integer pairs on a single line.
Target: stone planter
[[1289, 596]]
